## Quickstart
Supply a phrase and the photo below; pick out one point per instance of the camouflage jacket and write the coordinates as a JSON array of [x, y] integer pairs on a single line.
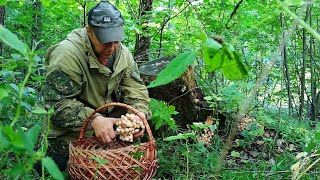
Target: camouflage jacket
[[77, 83]]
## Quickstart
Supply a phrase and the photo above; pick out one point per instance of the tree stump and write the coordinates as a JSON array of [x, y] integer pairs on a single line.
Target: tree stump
[[183, 93]]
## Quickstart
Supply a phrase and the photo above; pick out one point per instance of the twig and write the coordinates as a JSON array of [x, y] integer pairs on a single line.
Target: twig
[[309, 167], [197, 14], [233, 13], [183, 94], [159, 30], [132, 11], [269, 172]]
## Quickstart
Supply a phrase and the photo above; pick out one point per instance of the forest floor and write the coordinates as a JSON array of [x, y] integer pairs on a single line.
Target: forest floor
[[268, 149]]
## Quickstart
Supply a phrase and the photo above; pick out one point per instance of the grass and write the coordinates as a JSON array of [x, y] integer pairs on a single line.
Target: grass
[[249, 160]]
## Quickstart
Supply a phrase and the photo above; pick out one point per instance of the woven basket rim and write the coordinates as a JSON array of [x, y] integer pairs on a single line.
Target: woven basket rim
[[111, 150], [136, 112]]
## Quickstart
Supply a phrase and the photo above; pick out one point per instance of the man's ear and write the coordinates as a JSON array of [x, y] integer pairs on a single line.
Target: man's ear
[[88, 29]]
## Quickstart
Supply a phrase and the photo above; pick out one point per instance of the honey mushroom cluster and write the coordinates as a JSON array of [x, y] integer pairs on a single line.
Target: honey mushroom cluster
[[129, 125], [245, 123], [205, 137]]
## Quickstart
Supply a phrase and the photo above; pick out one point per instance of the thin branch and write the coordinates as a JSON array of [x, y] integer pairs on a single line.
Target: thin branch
[[132, 11], [183, 94], [233, 13], [165, 22], [197, 14]]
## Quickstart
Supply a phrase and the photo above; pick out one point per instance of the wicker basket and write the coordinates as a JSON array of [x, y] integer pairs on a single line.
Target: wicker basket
[[124, 160]]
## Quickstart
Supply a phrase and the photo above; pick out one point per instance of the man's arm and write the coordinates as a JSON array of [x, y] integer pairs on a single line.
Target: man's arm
[[133, 90], [61, 94]]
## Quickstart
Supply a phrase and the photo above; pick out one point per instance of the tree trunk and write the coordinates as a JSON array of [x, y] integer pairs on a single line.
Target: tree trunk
[[312, 73], [36, 29], [2, 19], [84, 17], [296, 72], [303, 68], [183, 93], [141, 52], [286, 68], [318, 105]]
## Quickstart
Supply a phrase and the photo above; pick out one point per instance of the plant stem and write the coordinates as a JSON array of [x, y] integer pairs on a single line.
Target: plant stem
[[299, 21], [44, 147], [21, 89], [309, 167], [187, 156]]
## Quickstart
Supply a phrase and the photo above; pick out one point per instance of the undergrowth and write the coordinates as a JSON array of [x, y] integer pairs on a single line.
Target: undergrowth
[[269, 155]]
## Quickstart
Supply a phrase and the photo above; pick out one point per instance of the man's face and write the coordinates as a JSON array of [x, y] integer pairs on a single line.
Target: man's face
[[103, 51]]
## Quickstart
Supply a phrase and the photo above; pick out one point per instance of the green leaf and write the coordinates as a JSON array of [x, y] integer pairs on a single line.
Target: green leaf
[[3, 2], [52, 168], [15, 140], [171, 109], [99, 161], [176, 137], [137, 155], [213, 127], [3, 92], [50, 111], [180, 136], [317, 136], [46, 3], [30, 137], [17, 170], [211, 54], [39, 111], [197, 126], [12, 40], [235, 154], [27, 106], [203, 36], [233, 68], [4, 140], [174, 69], [156, 114], [16, 56], [224, 57], [159, 123], [310, 146]]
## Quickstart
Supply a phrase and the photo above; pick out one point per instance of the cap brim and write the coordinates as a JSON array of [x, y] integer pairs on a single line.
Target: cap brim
[[106, 35]]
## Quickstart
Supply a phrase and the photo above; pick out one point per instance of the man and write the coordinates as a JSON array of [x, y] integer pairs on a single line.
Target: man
[[87, 70]]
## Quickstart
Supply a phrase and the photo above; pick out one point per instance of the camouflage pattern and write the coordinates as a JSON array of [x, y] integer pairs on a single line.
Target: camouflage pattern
[[77, 83]]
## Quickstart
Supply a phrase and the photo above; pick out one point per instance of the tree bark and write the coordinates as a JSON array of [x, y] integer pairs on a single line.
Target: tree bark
[[303, 68], [36, 29], [318, 105], [2, 20], [312, 73], [286, 68], [183, 93], [141, 52]]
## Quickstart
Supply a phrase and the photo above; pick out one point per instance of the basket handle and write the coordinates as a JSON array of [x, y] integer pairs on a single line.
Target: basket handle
[[136, 112]]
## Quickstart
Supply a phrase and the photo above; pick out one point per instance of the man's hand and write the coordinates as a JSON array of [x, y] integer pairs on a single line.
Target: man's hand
[[139, 134], [103, 128]]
